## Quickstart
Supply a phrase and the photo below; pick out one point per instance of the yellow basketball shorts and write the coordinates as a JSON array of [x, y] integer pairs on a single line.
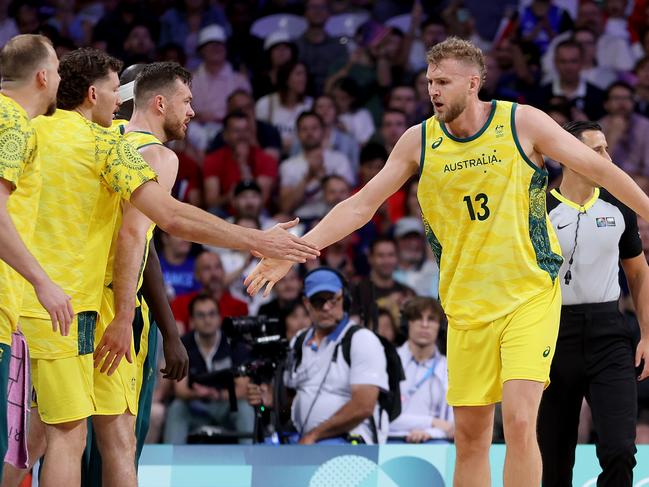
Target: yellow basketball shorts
[[63, 388], [117, 393], [518, 346]]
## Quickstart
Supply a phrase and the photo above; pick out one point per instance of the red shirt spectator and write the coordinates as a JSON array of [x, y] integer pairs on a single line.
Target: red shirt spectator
[[228, 306], [238, 160]]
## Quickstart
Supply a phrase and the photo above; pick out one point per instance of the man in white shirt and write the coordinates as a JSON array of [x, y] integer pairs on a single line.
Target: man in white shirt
[[301, 175], [425, 415]]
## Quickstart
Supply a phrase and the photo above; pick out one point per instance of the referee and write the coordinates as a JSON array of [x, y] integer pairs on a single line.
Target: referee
[[594, 357]]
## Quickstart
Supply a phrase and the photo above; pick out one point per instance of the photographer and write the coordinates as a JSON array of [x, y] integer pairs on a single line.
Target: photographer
[[335, 401], [202, 404]]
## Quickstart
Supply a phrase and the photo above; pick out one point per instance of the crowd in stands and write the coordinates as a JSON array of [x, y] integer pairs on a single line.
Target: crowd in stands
[[298, 105]]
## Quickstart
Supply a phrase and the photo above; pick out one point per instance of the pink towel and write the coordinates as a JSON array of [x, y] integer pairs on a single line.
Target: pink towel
[[18, 402]]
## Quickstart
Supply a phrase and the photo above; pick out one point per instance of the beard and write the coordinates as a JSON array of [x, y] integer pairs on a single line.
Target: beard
[[453, 110], [51, 108], [174, 130]]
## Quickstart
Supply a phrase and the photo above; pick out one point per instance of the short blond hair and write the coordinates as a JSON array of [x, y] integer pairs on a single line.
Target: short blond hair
[[460, 50]]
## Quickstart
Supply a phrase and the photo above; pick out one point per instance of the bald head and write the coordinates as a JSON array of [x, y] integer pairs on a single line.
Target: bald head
[[23, 56]]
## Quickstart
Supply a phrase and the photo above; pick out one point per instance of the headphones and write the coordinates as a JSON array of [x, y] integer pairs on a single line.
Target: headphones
[[347, 298]]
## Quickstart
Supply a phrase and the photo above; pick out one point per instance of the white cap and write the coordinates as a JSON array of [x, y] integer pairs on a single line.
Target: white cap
[[407, 225], [277, 37], [211, 33]]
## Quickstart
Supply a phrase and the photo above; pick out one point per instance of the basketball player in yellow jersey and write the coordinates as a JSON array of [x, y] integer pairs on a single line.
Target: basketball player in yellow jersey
[[162, 100], [482, 193], [90, 169], [29, 82]]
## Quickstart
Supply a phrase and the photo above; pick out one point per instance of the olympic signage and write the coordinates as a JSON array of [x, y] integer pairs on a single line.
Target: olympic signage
[[340, 466]]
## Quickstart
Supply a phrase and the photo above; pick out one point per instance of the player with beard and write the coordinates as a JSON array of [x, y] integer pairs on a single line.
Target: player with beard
[[88, 169], [161, 111], [29, 83], [481, 189]]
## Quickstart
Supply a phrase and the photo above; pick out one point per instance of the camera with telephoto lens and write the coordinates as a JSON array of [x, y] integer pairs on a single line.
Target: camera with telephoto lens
[[263, 337]]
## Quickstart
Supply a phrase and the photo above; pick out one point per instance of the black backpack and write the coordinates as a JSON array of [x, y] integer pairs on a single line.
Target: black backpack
[[389, 401]]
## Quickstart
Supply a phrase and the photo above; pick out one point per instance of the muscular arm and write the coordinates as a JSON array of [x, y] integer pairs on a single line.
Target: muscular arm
[[637, 275], [14, 252], [539, 134], [352, 213], [354, 412], [190, 223], [153, 290]]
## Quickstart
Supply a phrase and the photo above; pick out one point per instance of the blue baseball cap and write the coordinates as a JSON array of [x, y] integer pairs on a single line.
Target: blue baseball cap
[[322, 280]]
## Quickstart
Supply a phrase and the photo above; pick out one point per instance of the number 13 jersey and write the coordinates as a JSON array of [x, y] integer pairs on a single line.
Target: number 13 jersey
[[483, 205]]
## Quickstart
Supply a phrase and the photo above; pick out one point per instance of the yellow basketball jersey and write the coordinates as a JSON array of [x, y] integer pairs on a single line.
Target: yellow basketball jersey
[[20, 166], [139, 140], [86, 170], [483, 206]]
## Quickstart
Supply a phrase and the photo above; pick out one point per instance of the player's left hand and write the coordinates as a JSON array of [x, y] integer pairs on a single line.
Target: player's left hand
[[114, 345], [266, 273], [176, 359], [642, 353]]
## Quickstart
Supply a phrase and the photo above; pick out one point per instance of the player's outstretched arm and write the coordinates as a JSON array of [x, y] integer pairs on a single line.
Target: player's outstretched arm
[[153, 290], [351, 214], [17, 256], [538, 132], [191, 223]]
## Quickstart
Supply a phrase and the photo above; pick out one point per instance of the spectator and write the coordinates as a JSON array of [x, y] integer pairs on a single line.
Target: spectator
[[297, 319], [425, 415], [335, 401], [517, 69], [570, 83], [139, 46], [424, 108], [209, 274], [387, 327], [238, 160], [68, 24], [262, 134], [415, 269], [173, 53], [112, 29], [197, 403], [356, 120], [541, 21], [26, 18], [181, 25], [189, 180], [372, 160], [316, 49], [177, 264], [301, 175], [618, 40], [287, 291], [404, 98], [213, 82], [642, 87], [283, 107], [334, 138], [600, 76], [626, 131], [433, 31], [394, 122], [8, 27], [248, 202], [380, 286], [279, 51]]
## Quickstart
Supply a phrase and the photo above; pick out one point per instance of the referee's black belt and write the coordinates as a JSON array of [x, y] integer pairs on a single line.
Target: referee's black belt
[[591, 308]]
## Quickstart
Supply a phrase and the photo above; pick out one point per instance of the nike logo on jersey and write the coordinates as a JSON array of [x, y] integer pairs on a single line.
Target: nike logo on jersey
[[560, 227]]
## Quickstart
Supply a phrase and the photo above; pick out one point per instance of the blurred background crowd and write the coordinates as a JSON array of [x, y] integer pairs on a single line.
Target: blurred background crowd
[[299, 104]]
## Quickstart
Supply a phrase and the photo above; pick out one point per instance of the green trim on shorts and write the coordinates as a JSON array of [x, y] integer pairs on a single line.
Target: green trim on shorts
[[86, 323]]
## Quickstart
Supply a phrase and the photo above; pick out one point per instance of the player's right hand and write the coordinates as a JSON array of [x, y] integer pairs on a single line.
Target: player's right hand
[[57, 304], [114, 345], [277, 243]]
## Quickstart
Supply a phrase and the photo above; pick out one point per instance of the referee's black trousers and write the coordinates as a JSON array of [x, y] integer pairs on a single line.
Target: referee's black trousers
[[594, 358]]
